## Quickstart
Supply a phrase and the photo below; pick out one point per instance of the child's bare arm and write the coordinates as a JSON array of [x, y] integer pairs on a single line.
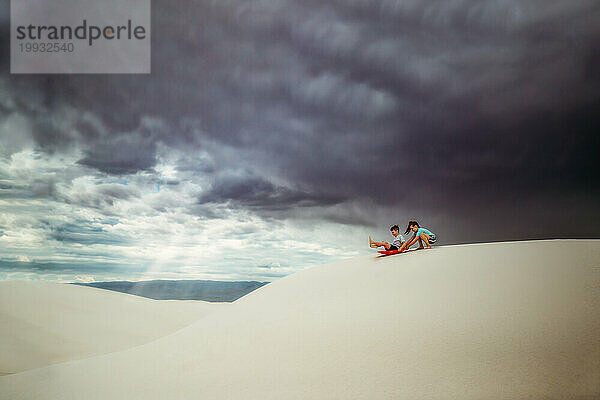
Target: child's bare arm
[[410, 242]]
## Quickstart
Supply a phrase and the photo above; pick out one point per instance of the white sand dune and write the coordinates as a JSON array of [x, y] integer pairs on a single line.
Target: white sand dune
[[489, 321], [43, 323]]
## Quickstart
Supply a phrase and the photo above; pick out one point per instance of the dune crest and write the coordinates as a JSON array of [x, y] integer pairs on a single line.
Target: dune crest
[[488, 321]]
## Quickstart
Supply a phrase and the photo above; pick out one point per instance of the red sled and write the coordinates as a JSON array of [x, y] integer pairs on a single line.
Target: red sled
[[389, 252]]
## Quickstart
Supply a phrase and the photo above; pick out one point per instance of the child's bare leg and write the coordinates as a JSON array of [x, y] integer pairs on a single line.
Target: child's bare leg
[[420, 243], [425, 238], [375, 244]]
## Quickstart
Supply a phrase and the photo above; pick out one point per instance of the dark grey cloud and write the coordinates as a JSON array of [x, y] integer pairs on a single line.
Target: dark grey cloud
[[261, 195], [36, 189], [82, 231], [86, 235], [468, 113], [124, 154]]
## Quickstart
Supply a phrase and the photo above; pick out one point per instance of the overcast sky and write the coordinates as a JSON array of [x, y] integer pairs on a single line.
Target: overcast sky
[[273, 135]]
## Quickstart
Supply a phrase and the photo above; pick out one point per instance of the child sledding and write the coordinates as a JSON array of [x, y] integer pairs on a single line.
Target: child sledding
[[422, 235]]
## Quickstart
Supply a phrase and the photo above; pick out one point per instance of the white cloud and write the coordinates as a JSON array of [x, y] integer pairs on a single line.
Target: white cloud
[[124, 228]]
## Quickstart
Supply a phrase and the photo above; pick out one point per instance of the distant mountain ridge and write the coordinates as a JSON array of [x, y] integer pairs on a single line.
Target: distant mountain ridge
[[214, 291]]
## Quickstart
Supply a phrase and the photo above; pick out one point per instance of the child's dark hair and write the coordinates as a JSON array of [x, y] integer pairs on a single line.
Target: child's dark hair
[[411, 223], [395, 228]]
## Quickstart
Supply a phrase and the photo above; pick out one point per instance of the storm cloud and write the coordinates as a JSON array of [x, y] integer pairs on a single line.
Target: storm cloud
[[477, 118]]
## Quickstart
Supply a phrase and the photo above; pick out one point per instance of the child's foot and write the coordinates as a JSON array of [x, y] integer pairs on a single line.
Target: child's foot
[[428, 247], [372, 243], [420, 248]]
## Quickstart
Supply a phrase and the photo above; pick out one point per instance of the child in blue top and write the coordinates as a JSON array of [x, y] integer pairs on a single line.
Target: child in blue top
[[420, 234]]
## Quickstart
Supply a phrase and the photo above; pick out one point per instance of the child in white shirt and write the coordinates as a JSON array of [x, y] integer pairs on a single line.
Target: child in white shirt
[[396, 243]]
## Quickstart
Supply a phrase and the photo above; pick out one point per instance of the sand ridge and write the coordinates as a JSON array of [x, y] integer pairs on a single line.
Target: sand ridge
[[44, 323]]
